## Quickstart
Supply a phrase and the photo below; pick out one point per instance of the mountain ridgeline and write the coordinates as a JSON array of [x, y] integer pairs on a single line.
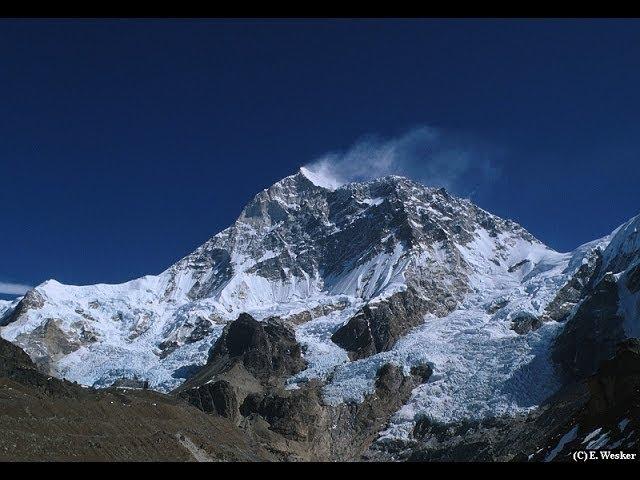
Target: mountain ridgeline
[[381, 320]]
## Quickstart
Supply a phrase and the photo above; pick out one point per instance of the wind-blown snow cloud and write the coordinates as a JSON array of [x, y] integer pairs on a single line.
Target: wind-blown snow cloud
[[431, 156], [13, 288]]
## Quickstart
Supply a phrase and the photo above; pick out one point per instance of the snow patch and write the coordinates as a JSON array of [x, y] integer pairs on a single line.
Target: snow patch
[[568, 437]]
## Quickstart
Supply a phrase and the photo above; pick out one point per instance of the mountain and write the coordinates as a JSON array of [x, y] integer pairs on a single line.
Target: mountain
[[610, 308], [355, 288]]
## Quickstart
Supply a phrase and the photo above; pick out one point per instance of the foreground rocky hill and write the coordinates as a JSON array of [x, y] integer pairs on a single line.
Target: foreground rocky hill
[[47, 419]]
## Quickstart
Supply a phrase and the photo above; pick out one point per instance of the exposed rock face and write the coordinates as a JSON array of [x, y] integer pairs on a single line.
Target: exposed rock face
[[130, 383], [218, 397], [377, 327], [633, 279], [294, 414], [297, 318], [249, 354], [618, 380], [267, 349], [496, 305], [192, 331], [575, 289], [516, 266], [358, 425], [609, 419], [324, 432], [488, 440], [32, 300], [13, 358], [53, 343], [591, 335], [524, 323]]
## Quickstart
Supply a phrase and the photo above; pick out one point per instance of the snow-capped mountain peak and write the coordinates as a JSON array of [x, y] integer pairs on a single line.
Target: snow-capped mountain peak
[[317, 253]]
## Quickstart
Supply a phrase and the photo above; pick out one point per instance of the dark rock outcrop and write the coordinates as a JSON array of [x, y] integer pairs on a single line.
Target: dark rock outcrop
[[575, 289], [633, 279], [17, 366], [471, 440], [496, 305], [518, 265], [12, 358], [341, 432], [295, 414], [357, 425], [610, 418], [617, 381], [592, 333], [247, 358], [131, 383], [377, 327], [218, 397], [266, 349], [32, 300]]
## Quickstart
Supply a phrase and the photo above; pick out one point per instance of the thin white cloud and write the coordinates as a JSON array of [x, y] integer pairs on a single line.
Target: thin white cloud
[[431, 156], [13, 288]]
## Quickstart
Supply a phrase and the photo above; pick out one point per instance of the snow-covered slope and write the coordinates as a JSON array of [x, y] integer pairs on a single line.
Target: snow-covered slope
[[316, 252], [624, 247], [622, 257], [6, 307], [481, 366]]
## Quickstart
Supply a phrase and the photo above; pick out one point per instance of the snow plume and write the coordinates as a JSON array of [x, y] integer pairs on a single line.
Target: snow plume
[[431, 156], [13, 288]]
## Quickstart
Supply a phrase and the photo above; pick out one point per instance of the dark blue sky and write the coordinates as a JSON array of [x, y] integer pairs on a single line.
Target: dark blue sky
[[124, 144]]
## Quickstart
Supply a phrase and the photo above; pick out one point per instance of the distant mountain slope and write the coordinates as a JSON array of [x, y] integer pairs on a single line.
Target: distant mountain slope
[[609, 311]]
